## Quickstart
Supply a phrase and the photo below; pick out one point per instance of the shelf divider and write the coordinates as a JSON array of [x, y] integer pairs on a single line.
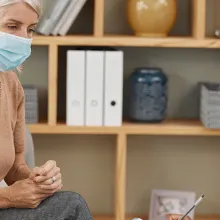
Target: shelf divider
[[199, 19], [99, 18], [52, 84], [120, 176]]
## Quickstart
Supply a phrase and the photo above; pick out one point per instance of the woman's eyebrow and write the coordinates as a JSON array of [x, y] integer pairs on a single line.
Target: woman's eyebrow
[[19, 22], [16, 21]]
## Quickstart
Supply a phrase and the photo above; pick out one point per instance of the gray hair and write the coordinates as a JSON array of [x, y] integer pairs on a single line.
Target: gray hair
[[35, 4]]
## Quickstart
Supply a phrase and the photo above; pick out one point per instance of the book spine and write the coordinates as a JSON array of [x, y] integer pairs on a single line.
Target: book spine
[[64, 17], [58, 14], [65, 28]]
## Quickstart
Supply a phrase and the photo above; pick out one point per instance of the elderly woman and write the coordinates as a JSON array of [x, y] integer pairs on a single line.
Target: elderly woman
[[31, 194]]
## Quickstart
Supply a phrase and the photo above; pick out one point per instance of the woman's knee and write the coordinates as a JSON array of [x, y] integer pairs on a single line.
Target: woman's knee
[[76, 204], [75, 197], [71, 196]]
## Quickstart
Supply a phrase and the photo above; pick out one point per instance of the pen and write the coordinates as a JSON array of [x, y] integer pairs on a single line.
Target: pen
[[196, 203]]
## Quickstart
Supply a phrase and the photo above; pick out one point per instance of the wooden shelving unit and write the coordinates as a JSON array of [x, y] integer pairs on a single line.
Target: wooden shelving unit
[[131, 41], [169, 127]]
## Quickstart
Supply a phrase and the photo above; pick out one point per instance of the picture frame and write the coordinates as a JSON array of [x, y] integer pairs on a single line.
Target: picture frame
[[165, 202]]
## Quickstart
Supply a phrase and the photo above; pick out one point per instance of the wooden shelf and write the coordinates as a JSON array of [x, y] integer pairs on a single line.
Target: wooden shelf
[[129, 41], [169, 127], [43, 128], [130, 217]]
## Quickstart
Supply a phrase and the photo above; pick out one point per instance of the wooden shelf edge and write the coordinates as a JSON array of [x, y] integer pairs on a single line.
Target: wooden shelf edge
[[171, 127], [132, 41], [168, 127], [130, 217], [64, 129]]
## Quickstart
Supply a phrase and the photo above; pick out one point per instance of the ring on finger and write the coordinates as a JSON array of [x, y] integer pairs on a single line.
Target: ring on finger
[[53, 179]]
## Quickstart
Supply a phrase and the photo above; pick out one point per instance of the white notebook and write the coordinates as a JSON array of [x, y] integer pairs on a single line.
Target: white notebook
[[75, 91], [113, 86], [94, 88]]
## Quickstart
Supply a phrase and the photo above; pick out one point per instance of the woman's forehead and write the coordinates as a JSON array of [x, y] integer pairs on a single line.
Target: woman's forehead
[[20, 12]]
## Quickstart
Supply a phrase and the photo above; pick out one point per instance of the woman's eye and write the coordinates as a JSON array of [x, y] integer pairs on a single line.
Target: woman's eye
[[31, 30], [12, 27]]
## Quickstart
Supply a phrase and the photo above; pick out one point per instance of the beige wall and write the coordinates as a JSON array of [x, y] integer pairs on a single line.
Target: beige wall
[[182, 163]]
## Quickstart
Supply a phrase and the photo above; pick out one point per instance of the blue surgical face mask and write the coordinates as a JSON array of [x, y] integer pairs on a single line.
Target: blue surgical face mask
[[14, 51]]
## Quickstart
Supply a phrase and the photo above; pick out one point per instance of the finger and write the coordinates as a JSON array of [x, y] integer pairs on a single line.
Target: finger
[[50, 181], [56, 189], [51, 186], [51, 192], [44, 195], [186, 218], [175, 217], [52, 173], [168, 217], [35, 172], [59, 188], [48, 166]]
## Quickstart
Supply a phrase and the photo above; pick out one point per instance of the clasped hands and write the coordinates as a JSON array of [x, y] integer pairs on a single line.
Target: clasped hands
[[47, 177], [42, 182]]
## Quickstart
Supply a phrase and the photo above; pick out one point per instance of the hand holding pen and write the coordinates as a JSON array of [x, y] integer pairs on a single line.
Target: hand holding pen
[[186, 217], [177, 217]]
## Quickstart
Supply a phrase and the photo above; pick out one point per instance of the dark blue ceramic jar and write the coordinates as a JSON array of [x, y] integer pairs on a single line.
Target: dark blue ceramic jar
[[148, 95]]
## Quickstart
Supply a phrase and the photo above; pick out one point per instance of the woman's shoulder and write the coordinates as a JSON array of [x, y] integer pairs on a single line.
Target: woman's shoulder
[[14, 87], [11, 77], [12, 80]]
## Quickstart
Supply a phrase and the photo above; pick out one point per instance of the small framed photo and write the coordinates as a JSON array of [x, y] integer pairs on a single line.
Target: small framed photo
[[165, 202]]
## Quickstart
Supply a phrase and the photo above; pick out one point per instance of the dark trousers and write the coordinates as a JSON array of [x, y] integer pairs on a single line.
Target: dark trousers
[[60, 206]]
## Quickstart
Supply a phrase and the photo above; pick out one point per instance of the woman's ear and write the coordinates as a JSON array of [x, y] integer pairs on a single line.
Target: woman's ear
[[19, 68]]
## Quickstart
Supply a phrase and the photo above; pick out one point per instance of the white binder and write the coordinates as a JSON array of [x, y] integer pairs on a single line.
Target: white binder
[[113, 86], [75, 88], [94, 87]]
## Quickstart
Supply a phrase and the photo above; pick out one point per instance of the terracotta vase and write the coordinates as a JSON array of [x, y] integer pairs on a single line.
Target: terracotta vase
[[151, 18]]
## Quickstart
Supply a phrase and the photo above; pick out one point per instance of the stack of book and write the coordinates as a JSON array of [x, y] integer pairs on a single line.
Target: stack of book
[[94, 87], [31, 104], [59, 19]]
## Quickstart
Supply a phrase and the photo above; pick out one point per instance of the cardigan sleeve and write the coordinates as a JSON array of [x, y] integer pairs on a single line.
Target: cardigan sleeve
[[19, 131], [19, 169]]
